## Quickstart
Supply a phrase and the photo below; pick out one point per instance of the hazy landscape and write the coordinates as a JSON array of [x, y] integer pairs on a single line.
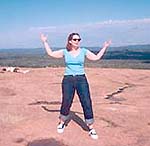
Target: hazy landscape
[[136, 56]]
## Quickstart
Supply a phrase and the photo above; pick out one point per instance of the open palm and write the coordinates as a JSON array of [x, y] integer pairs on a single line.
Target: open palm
[[43, 38], [107, 43]]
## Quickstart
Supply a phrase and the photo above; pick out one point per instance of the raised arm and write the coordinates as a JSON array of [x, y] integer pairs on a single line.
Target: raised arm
[[92, 56], [55, 54]]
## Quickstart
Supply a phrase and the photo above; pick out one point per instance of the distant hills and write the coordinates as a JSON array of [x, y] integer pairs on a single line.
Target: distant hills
[[136, 52], [139, 55]]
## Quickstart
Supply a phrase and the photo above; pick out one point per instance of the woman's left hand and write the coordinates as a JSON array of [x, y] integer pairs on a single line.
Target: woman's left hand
[[107, 44]]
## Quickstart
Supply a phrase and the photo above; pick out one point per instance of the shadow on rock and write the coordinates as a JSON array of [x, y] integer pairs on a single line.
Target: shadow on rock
[[72, 116], [46, 142]]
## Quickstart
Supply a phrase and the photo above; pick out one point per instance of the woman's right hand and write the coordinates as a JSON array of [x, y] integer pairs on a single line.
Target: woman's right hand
[[43, 38]]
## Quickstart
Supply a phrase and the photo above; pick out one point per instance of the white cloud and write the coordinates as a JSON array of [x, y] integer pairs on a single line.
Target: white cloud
[[84, 27], [122, 32]]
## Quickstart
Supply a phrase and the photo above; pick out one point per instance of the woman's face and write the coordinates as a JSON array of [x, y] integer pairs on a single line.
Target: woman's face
[[75, 41]]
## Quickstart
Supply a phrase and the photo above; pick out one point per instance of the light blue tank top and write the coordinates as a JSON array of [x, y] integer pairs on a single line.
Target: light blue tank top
[[74, 65]]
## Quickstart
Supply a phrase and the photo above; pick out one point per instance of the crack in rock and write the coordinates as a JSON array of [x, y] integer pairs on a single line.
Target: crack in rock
[[118, 91]]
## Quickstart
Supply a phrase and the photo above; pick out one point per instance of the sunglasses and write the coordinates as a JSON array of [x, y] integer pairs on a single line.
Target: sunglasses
[[76, 40]]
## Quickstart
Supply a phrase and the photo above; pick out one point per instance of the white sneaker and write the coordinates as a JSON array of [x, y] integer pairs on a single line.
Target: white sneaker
[[60, 128], [93, 134]]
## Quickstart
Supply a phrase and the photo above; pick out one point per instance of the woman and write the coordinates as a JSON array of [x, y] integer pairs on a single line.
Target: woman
[[75, 79]]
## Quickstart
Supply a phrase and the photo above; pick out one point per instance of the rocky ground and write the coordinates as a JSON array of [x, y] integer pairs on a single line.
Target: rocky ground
[[29, 108]]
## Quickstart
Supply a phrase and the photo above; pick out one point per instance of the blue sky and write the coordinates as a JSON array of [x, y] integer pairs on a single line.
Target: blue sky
[[126, 22]]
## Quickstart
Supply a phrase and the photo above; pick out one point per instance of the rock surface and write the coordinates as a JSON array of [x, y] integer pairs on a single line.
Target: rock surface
[[29, 108]]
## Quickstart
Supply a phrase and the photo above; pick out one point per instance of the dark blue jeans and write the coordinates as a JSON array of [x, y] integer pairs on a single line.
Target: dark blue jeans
[[78, 83]]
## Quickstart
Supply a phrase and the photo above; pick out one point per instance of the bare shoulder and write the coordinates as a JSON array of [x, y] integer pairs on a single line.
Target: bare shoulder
[[58, 53]]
